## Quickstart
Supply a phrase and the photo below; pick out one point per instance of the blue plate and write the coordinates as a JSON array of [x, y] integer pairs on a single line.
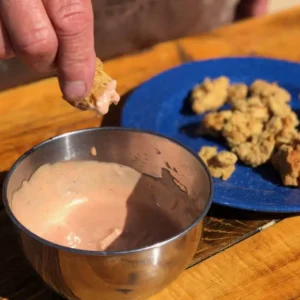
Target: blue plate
[[158, 105]]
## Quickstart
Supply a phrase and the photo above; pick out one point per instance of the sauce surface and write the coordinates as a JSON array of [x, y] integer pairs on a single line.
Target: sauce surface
[[96, 206]]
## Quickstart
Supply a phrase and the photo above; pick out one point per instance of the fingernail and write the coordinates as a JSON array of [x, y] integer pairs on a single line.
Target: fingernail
[[74, 90]]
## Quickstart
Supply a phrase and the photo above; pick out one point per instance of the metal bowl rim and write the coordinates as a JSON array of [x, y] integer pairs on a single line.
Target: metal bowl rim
[[102, 253]]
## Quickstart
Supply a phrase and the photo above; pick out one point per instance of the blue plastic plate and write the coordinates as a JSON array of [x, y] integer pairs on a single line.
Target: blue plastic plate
[[158, 105]]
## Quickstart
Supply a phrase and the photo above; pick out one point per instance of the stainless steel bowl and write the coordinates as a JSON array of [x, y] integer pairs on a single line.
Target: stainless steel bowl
[[110, 275]]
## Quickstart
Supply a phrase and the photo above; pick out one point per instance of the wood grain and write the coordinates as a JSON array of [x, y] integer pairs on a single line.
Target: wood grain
[[33, 113], [265, 266]]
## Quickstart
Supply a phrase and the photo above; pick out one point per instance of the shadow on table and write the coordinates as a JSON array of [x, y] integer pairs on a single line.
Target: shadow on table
[[113, 118], [223, 212], [17, 278]]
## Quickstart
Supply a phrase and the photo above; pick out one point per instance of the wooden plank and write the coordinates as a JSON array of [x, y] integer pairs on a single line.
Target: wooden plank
[[266, 266]]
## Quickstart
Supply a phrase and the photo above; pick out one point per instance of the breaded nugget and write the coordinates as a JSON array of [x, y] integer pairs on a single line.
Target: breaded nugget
[[214, 122], [255, 152], [265, 89], [210, 95], [102, 94], [282, 129], [254, 107], [287, 161], [237, 91], [240, 127], [207, 153], [221, 165]]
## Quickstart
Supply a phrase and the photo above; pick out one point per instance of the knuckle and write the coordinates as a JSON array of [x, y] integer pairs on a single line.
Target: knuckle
[[37, 43], [72, 18]]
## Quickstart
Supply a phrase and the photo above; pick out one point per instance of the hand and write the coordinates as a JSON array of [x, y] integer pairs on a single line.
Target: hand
[[252, 8], [49, 34]]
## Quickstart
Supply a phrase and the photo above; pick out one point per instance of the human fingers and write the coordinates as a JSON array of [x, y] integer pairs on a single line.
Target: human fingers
[[73, 24], [30, 31], [6, 49]]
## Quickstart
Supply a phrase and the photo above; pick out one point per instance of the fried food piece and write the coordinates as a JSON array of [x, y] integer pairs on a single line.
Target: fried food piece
[[221, 165], [207, 153], [254, 107], [290, 120], [213, 122], [240, 127], [254, 128], [237, 91], [274, 126], [265, 89], [210, 95], [287, 161], [225, 159], [238, 104], [257, 151], [102, 94], [287, 137], [277, 107], [283, 129], [272, 96]]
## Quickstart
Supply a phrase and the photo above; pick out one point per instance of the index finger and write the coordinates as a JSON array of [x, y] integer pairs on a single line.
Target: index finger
[[74, 25]]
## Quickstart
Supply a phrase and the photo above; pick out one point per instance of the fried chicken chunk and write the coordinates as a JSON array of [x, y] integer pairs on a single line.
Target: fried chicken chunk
[[210, 95], [214, 122], [252, 106], [265, 90], [287, 161], [102, 94], [255, 152], [259, 128], [237, 91], [207, 153], [240, 127], [221, 165], [283, 129], [277, 107]]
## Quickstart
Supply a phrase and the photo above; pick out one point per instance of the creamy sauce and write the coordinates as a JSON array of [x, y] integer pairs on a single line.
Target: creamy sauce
[[109, 96], [98, 206]]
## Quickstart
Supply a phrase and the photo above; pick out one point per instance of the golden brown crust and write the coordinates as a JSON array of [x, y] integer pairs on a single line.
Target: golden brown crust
[[102, 93], [287, 161], [265, 90], [237, 91], [210, 95], [257, 126], [221, 165], [214, 122], [240, 127], [255, 152], [100, 83]]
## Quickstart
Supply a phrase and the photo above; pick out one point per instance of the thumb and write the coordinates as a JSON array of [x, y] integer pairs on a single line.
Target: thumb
[[73, 24]]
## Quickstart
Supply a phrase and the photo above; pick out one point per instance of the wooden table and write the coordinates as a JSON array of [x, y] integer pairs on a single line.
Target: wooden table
[[240, 260]]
